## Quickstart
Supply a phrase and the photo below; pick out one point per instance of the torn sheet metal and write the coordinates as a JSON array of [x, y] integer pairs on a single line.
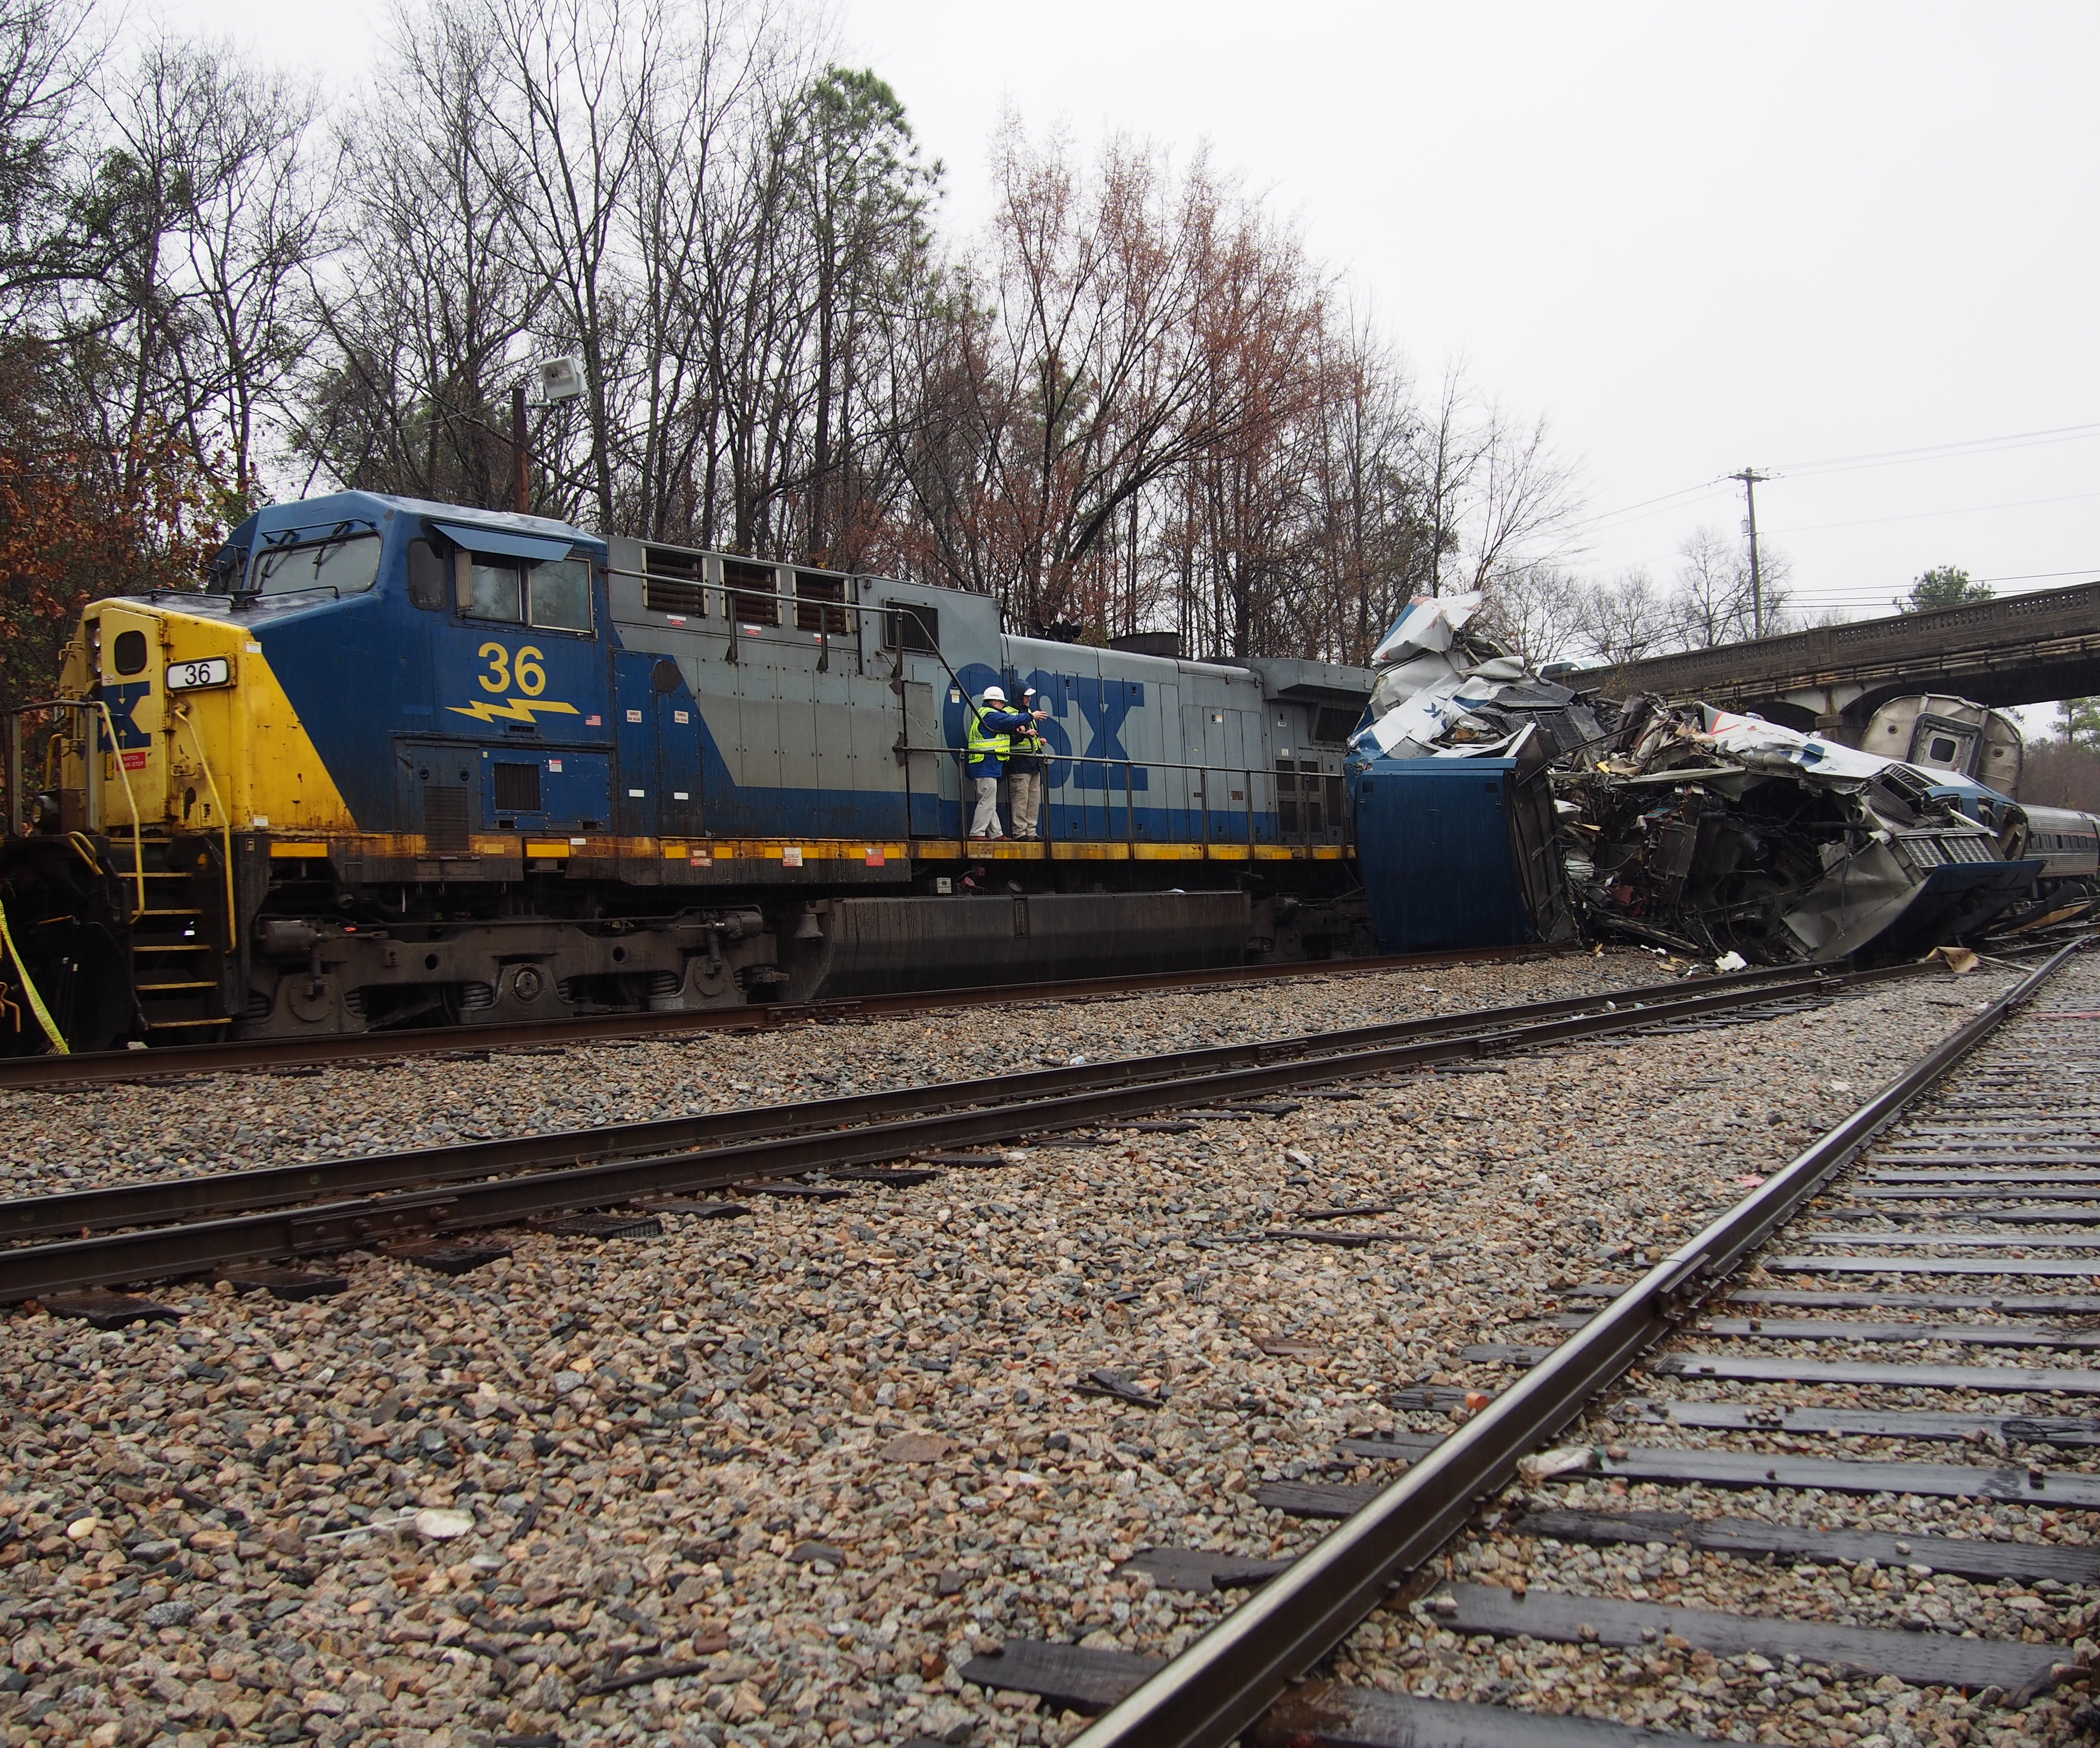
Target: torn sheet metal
[[1710, 832], [1494, 807], [1441, 690]]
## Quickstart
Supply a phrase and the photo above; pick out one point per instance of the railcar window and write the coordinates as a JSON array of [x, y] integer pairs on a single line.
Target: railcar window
[[129, 650], [426, 576], [1941, 749], [349, 567], [912, 628], [561, 595], [493, 591]]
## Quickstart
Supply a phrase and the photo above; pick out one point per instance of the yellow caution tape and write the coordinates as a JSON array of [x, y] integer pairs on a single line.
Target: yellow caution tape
[[29, 988]]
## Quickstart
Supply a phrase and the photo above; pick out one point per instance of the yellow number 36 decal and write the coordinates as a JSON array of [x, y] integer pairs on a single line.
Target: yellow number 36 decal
[[526, 673]]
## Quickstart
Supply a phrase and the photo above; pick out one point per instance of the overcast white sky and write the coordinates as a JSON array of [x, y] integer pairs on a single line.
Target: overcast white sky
[[1696, 238]]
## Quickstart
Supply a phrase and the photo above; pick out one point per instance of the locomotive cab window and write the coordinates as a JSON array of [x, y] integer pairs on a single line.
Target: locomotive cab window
[[558, 595], [129, 650], [491, 589], [553, 596], [426, 576]]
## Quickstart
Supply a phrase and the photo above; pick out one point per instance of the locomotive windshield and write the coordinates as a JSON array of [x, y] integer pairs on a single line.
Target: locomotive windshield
[[346, 563]]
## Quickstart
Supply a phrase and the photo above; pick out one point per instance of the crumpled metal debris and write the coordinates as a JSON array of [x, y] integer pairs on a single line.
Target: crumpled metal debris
[[1442, 691], [1720, 835], [1710, 834]]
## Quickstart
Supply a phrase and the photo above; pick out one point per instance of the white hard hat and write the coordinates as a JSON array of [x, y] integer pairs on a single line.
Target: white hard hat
[[993, 696]]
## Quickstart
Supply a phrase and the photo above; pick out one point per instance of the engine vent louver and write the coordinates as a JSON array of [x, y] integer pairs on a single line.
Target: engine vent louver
[[444, 821], [516, 788]]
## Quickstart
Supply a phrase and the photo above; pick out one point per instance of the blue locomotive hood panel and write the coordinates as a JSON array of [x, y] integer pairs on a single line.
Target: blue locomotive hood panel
[[349, 673]]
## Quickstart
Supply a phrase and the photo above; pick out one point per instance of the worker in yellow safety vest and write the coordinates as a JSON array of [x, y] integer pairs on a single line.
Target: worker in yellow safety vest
[[991, 727], [1026, 753]]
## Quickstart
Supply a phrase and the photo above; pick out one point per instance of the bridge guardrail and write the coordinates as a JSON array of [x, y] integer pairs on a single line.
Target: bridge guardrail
[[1942, 631]]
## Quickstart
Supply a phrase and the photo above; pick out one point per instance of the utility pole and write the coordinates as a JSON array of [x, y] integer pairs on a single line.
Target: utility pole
[[1751, 479], [521, 467]]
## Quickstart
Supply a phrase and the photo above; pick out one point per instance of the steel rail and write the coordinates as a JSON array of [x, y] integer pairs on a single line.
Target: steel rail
[[98, 1067], [1222, 1684], [159, 1253], [78, 1212]]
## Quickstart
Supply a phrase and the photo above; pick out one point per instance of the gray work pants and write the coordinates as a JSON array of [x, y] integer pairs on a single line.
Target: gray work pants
[[1024, 801], [984, 822]]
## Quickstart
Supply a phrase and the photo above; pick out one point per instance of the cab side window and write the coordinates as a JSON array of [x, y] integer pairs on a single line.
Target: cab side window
[[490, 589], [559, 594], [426, 576]]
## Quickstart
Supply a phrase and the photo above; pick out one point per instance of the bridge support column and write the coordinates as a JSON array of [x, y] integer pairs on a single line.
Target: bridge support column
[[1828, 707]]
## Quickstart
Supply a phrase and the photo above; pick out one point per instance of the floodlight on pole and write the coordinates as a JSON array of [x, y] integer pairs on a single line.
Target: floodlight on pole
[[561, 378]]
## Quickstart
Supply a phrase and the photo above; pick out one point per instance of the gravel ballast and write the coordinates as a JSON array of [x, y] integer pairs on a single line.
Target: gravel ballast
[[773, 1479]]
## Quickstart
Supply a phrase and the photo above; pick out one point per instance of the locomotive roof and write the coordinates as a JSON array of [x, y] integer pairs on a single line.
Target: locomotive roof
[[378, 507]]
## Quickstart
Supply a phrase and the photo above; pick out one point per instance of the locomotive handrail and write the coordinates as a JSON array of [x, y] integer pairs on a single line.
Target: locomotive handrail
[[1129, 765], [855, 607], [131, 802], [225, 826], [16, 816]]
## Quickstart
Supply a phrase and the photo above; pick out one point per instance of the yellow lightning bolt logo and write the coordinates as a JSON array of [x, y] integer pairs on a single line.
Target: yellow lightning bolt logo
[[512, 710]]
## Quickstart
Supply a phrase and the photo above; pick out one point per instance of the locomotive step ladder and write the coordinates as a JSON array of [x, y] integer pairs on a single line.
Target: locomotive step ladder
[[175, 955]]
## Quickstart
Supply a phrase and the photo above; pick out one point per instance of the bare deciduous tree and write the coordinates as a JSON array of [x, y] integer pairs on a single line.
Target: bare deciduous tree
[[1624, 618]]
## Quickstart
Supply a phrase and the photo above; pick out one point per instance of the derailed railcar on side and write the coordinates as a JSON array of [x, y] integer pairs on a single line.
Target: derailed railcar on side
[[408, 763], [1937, 732], [1696, 830]]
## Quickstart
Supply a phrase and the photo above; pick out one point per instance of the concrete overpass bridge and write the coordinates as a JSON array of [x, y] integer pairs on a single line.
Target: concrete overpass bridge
[[2024, 650]]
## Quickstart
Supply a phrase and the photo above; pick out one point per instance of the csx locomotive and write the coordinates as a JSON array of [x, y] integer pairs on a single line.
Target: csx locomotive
[[404, 763]]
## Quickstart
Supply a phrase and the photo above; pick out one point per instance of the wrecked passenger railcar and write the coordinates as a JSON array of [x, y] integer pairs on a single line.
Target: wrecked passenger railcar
[[1495, 807], [1712, 832]]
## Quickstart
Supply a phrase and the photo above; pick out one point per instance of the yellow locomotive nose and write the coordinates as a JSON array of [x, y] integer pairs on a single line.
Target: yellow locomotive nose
[[141, 805]]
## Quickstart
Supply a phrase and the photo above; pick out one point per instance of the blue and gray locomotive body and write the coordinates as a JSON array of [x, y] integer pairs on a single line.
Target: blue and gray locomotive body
[[405, 763]]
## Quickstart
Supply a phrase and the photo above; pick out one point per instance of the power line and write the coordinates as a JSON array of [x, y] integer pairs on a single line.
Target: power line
[[1668, 497], [1845, 463], [1920, 515], [1929, 452]]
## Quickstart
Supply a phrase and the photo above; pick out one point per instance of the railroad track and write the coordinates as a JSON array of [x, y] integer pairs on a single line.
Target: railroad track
[[108, 1067], [168, 1228], [1969, 1226]]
